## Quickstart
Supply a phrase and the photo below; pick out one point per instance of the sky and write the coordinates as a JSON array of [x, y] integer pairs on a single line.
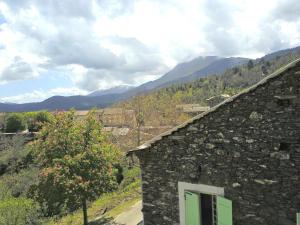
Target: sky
[[74, 47]]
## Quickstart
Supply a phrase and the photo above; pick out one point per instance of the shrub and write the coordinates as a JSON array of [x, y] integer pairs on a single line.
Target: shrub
[[18, 211], [13, 155], [130, 176], [35, 120], [15, 122], [19, 184]]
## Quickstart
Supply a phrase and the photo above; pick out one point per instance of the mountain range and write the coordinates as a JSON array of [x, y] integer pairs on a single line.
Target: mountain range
[[181, 73], [114, 90]]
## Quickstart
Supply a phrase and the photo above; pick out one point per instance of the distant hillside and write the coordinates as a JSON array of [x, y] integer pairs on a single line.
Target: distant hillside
[[214, 68], [115, 90], [62, 103], [159, 106], [231, 72], [187, 68], [281, 53], [188, 71]]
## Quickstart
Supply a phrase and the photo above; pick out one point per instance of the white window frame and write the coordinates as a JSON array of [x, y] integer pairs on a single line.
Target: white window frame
[[198, 188]]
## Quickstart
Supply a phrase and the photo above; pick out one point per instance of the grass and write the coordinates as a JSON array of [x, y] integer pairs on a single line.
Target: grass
[[122, 207], [112, 204]]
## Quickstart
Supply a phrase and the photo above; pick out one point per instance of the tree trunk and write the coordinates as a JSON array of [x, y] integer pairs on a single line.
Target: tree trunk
[[84, 210], [139, 136]]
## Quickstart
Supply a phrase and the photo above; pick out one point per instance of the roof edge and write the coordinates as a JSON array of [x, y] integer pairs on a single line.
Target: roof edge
[[278, 72]]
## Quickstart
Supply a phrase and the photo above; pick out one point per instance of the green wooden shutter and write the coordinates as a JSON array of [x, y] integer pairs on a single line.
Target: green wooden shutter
[[298, 218], [224, 211], [192, 208]]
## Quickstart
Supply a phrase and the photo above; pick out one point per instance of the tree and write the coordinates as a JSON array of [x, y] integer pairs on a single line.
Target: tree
[[236, 70], [76, 160], [139, 116], [250, 64], [15, 122]]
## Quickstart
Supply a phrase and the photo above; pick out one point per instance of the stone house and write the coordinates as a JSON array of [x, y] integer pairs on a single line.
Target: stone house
[[238, 163]]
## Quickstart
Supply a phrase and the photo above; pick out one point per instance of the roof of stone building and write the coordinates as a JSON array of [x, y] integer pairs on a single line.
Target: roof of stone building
[[218, 96], [190, 108], [277, 73]]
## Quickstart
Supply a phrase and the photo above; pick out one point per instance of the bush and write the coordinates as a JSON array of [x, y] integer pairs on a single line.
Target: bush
[[19, 184], [15, 122], [18, 211], [35, 120], [14, 156], [130, 176]]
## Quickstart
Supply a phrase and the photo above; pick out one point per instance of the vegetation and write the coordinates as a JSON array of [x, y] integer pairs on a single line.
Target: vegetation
[[159, 106], [18, 211], [15, 122], [75, 165], [76, 162], [108, 205], [13, 154], [16, 178], [35, 120]]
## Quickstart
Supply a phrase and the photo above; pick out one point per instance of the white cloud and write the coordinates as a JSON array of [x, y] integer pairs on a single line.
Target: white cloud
[[103, 43], [18, 70], [39, 95]]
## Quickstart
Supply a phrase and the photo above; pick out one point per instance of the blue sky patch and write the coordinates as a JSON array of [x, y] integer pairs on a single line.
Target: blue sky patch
[[2, 19]]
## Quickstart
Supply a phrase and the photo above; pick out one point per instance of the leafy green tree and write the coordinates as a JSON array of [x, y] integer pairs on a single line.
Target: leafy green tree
[[15, 122], [76, 160]]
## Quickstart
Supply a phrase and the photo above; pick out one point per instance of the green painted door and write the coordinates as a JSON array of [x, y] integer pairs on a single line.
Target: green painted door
[[298, 218], [224, 211], [192, 208]]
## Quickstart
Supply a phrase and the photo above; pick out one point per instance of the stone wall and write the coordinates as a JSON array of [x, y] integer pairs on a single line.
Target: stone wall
[[250, 146]]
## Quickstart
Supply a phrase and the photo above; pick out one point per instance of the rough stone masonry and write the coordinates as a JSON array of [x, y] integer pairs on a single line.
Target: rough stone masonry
[[249, 144]]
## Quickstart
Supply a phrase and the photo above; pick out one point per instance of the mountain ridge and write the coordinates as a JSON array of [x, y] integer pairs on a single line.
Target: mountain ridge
[[114, 90], [181, 73]]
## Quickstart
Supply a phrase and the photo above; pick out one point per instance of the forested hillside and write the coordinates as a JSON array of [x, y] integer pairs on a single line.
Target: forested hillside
[[159, 107]]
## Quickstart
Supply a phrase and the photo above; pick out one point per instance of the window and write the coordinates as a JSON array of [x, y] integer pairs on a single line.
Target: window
[[284, 146], [207, 209], [192, 208], [285, 101], [224, 211]]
